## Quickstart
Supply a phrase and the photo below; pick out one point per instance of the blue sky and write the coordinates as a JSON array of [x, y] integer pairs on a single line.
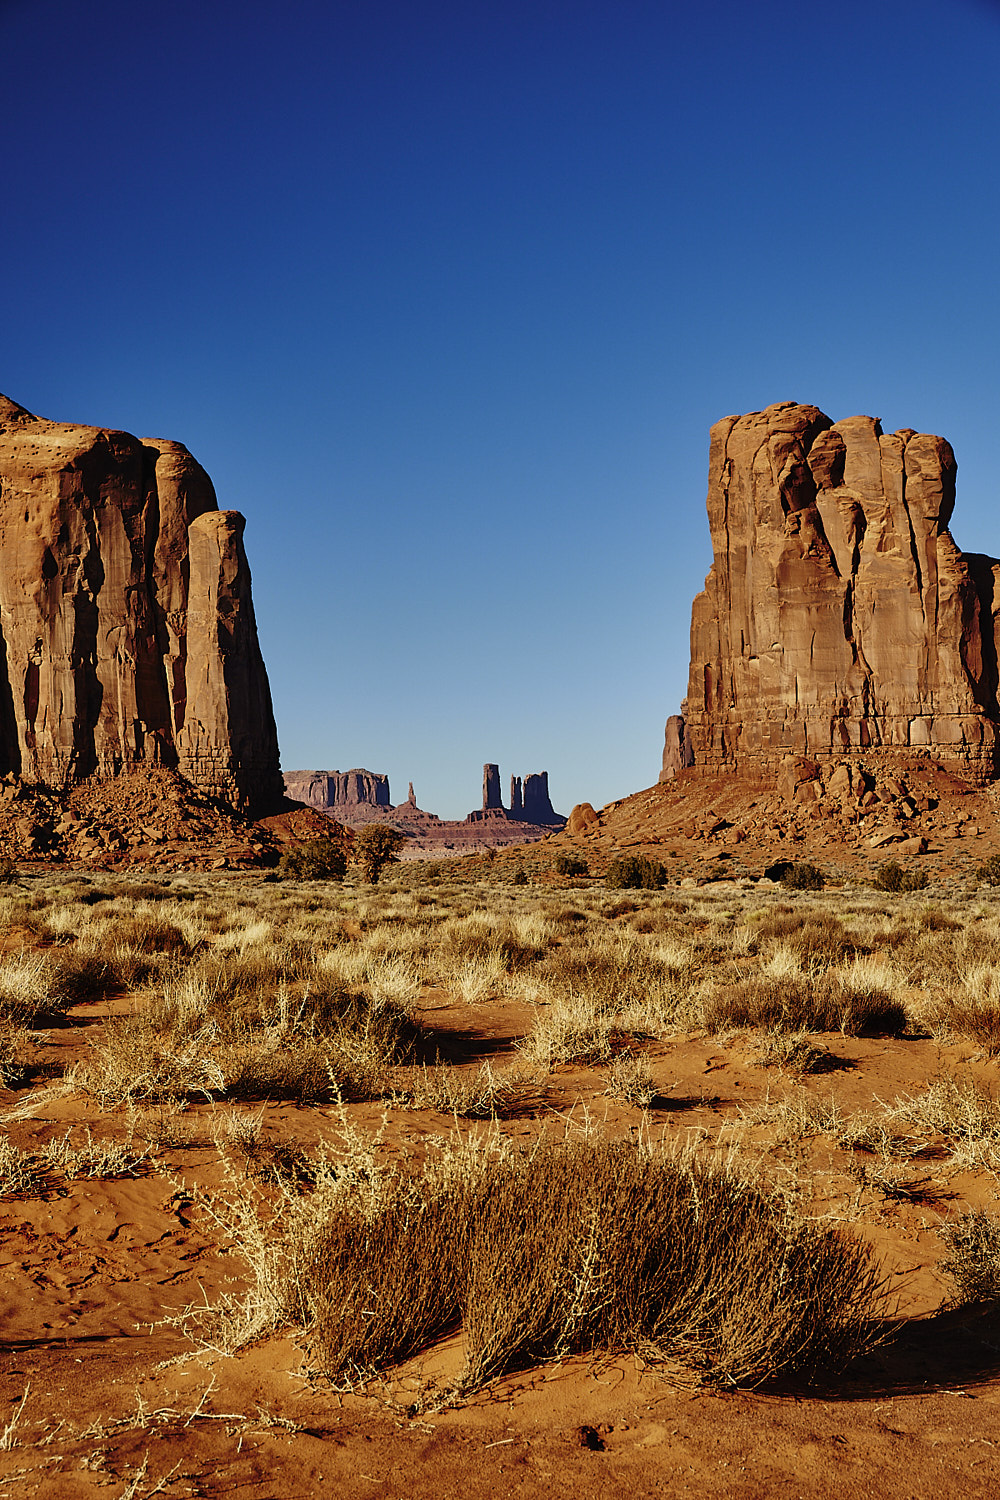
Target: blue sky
[[446, 294]]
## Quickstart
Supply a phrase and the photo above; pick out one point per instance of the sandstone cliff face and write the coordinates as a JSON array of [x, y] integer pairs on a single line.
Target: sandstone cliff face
[[677, 754], [127, 633], [839, 615]]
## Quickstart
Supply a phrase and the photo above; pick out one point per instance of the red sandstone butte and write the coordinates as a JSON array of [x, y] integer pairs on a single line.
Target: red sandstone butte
[[127, 630], [839, 615]]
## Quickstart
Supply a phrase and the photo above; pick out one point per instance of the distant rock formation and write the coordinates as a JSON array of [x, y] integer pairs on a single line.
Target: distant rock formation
[[127, 631], [839, 616], [529, 800], [339, 790], [360, 797]]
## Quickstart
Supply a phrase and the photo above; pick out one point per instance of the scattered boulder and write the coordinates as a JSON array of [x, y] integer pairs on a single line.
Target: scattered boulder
[[582, 818], [794, 773]]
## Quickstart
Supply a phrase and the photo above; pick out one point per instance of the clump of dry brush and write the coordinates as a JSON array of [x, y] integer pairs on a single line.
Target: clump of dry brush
[[578, 1245]]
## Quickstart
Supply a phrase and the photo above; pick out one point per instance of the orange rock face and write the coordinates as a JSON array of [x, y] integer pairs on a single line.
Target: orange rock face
[[839, 615], [128, 633]]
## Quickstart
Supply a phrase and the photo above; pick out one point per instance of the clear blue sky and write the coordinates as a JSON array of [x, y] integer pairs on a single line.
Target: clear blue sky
[[446, 294]]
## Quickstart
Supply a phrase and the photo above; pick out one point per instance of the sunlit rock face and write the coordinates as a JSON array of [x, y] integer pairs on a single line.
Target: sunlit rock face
[[127, 631], [839, 615], [340, 789]]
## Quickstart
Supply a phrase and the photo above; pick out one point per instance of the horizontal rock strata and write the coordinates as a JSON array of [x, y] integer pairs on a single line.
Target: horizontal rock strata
[[839, 616]]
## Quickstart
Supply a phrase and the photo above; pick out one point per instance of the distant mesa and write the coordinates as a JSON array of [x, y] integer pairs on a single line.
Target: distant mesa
[[340, 790], [127, 630], [839, 617]]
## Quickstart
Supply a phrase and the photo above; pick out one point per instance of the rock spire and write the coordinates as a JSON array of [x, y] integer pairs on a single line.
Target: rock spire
[[491, 788]]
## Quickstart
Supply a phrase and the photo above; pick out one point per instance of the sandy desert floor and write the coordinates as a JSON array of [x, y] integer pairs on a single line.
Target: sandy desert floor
[[163, 1092]]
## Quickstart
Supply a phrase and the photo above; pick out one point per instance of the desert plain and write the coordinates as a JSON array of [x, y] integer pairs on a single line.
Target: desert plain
[[198, 1067]]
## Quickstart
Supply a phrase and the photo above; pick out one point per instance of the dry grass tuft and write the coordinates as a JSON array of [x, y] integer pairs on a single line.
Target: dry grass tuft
[[202, 1040], [487, 1094], [973, 1262], [630, 1081]]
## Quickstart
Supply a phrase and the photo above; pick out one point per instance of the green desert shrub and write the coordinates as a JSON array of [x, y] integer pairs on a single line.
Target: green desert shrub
[[316, 859], [375, 847], [892, 877], [989, 873], [633, 872], [801, 876], [570, 864]]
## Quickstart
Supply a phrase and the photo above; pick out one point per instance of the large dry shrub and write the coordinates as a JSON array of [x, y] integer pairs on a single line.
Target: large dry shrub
[[488, 938], [977, 1018], [973, 1261], [148, 932], [192, 1041], [582, 1245]]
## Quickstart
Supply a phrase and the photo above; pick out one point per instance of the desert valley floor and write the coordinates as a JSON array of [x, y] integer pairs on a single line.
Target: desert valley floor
[[190, 1061]]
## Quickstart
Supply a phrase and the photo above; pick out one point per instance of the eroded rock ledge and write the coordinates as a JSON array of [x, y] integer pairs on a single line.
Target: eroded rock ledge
[[839, 616]]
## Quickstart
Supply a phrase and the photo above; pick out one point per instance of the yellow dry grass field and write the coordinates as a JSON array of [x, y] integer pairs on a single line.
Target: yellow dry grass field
[[453, 1182]]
